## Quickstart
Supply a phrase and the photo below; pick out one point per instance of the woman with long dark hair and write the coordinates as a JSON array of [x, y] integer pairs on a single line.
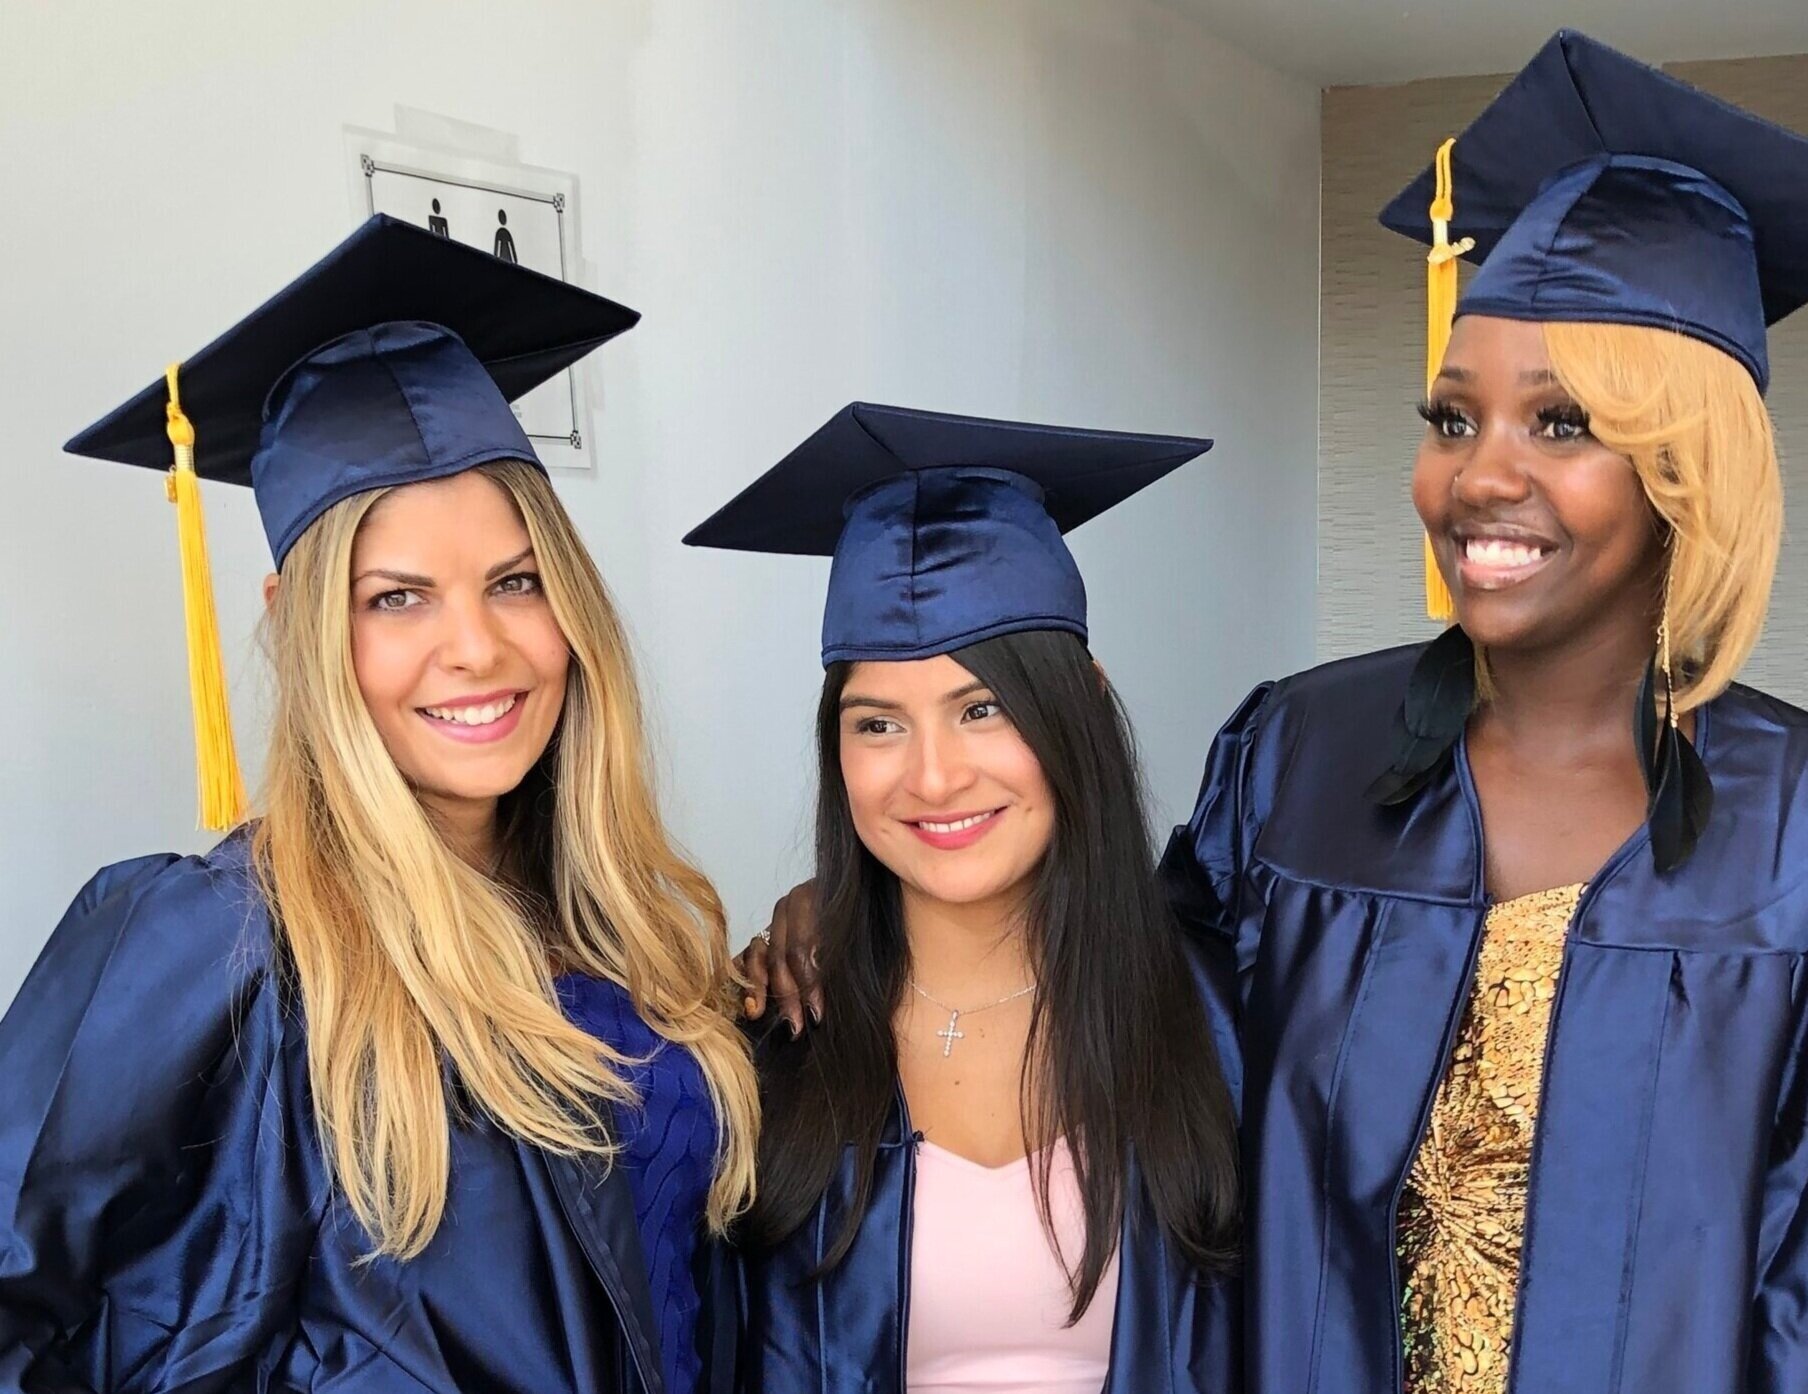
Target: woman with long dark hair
[[1005, 1159]]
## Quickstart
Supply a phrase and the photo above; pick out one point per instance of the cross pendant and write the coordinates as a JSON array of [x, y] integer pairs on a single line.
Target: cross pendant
[[950, 1034]]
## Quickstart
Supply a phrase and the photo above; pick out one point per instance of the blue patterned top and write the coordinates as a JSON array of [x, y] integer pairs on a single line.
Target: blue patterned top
[[668, 1154]]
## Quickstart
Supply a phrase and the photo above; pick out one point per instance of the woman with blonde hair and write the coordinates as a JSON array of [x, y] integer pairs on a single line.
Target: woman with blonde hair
[[1523, 1002], [425, 1077]]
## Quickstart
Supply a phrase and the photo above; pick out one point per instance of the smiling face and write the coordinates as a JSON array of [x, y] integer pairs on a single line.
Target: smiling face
[[1543, 532], [942, 788], [457, 654]]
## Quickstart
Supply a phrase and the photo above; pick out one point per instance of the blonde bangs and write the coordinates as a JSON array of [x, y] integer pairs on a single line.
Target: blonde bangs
[[1690, 419]]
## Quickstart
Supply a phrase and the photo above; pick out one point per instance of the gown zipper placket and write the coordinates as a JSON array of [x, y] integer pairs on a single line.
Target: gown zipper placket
[[906, 1236], [1453, 1024], [1611, 867], [1451, 1029], [1544, 1083]]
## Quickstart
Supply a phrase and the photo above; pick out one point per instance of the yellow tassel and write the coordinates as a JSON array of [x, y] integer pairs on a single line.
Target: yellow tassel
[[221, 789], [1440, 313], [1440, 604]]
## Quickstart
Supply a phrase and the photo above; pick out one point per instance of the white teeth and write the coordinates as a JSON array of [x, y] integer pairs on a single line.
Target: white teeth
[[473, 716], [959, 827], [1494, 551]]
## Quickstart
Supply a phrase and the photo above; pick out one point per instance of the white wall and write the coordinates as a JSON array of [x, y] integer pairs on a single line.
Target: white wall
[[1080, 211]]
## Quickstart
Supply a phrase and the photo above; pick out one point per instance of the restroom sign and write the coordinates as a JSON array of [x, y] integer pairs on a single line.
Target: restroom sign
[[514, 212]]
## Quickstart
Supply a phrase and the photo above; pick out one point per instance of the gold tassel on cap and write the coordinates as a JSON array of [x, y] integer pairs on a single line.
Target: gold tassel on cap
[[1440, 312], [221, 788]]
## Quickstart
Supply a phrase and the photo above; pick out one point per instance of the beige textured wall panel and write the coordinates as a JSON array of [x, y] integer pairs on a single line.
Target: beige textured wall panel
[[1372, 364]]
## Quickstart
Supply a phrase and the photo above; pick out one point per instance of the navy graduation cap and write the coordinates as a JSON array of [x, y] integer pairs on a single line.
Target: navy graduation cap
[[390, 361], [1596, 188], [945, 530]]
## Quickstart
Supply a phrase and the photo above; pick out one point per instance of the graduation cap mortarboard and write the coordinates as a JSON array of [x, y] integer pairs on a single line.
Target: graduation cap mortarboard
[[945, 530], [391, 360], [1595, 188], [1598, 188]]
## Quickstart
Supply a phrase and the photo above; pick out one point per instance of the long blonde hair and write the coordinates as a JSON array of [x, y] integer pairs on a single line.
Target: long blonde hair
[[409, 961], [1690, 419]]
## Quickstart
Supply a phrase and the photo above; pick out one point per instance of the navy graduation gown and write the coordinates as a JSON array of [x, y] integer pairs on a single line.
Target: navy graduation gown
[[1175, 1330], [1666, 1242], [166, 1218]]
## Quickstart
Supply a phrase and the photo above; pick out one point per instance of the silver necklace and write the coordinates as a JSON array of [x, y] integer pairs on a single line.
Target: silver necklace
[[952, 1032]]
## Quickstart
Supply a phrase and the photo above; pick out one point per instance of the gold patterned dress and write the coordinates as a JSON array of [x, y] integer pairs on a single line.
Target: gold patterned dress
[[1462, 1210]]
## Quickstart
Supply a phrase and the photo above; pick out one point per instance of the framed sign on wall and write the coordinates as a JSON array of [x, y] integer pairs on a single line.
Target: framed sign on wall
[[514, 211]]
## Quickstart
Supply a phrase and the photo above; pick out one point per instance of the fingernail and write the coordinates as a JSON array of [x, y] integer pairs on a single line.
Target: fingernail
[[750, 1007], [796, 1030], [816, 1014]]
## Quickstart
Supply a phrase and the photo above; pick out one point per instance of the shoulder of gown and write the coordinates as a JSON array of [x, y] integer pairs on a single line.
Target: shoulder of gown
[[154, 1208], [1332, 721], [158, 966], [1332, 724], [1745, 887], [1285, 793], [1749, 726]]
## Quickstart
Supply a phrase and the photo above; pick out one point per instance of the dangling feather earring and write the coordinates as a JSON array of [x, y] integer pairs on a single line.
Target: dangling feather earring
[[1680, 794]]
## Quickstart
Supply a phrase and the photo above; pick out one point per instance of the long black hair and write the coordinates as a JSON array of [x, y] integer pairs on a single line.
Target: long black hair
[[1119, 1052]]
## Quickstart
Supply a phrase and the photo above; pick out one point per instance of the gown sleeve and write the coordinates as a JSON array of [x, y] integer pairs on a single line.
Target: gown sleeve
[[1779, 1347], [153, 1217], [1203, 868]]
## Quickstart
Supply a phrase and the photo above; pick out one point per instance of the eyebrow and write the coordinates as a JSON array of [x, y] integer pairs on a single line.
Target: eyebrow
[[525, 554], [880, 704], [1532, 377], [409, 578], [401, 578], [856, 700]]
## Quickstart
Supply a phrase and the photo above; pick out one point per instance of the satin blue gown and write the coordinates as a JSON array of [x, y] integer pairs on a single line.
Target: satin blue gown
[[166, 1218], [1176, 1329], [1666, 1243]]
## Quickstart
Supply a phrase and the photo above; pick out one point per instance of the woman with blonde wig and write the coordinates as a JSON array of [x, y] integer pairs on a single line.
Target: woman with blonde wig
[[423, 1078], [1519, 916]]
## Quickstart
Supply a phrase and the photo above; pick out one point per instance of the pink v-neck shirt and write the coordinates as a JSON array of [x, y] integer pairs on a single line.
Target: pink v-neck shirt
[[988, 1296]]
